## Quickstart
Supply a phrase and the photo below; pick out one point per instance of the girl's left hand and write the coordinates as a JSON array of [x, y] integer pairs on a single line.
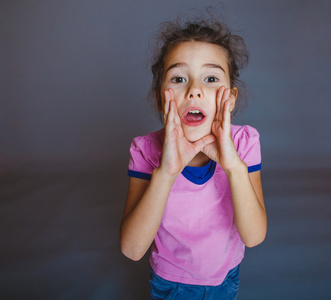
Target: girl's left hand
[[223, 151]]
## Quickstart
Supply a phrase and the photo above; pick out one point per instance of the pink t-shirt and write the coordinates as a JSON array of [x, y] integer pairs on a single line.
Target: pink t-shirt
[[197, 241]]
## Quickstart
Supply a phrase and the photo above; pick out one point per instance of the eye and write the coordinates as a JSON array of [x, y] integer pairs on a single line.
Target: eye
[[211, 79], [178, 79]]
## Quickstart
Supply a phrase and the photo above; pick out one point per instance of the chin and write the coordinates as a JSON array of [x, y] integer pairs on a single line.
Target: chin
[[195, 136]]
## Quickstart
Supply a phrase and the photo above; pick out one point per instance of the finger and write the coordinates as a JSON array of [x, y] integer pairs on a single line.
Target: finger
[[219, 102], [226, 116], [169, 123], [172, 94], [169, 95], [172, 111], [204, 141], [176, 115], [173, 106], [210, 150], [167, 98], [226, 96]]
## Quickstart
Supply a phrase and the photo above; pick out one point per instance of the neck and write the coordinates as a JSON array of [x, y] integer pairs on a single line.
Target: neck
[[199, 160]]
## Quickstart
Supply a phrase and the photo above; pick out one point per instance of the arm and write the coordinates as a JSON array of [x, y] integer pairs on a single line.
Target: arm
[[246, 188], [248, 205], [146, 201], [143, 213]]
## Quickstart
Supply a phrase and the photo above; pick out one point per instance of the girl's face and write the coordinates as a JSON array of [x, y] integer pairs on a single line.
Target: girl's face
[[195, 71]]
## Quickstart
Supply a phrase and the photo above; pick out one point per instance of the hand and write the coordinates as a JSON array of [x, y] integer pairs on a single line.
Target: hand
[[223, 150], [177, 150]]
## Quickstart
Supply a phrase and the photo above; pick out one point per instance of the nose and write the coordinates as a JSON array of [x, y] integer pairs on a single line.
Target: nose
[[194, 92], [197, 94]]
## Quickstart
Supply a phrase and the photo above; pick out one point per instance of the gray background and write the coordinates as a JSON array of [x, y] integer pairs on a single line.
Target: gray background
[[74, 78]]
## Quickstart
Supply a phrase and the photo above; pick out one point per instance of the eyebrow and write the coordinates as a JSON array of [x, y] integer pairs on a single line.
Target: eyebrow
[[214, 66], [176, 65]]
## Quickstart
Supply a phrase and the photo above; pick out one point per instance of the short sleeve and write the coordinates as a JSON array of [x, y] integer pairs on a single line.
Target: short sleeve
[[247, 142], [145, 157]]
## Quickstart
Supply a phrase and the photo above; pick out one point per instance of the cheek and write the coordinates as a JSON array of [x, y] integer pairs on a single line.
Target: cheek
[[211, 96]]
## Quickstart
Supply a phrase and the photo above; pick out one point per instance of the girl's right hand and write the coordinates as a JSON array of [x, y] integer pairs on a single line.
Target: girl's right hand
[[177, 150]]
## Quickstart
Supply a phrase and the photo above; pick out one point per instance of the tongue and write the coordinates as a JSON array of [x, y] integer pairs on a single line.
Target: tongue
[[194, 117]]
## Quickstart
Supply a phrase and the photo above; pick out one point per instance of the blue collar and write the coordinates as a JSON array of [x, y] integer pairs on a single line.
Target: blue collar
[[200, 175]]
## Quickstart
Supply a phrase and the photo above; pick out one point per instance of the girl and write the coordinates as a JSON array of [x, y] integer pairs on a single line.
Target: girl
[[195, 190]]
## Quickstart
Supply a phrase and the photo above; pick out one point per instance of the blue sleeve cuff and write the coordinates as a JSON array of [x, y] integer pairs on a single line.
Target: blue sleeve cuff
[[254, 168], [139, 175]]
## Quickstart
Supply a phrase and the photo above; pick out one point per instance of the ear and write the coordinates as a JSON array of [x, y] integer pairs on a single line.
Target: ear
[[233, 98], [158, 101]]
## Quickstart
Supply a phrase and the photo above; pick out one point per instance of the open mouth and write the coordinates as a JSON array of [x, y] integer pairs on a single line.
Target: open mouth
[[193, 116]]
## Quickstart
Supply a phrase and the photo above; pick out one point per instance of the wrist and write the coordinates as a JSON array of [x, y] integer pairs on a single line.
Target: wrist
[[239, 168], [164, 176]]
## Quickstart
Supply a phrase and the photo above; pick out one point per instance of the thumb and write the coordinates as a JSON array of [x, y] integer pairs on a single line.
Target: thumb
[[204, 141]]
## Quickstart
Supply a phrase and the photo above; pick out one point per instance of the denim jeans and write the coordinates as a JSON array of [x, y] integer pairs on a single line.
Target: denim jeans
[[168, 290]]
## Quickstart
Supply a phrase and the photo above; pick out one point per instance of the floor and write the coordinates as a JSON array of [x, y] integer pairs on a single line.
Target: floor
[[60, 240]]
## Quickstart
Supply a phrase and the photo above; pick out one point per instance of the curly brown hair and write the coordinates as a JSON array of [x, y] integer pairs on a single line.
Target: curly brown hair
[[210, 31]]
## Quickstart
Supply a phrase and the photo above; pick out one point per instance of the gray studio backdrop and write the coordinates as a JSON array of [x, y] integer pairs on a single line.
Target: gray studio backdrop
[[74, 79]]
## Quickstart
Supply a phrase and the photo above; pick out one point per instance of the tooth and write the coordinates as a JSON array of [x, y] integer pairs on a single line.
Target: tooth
[[194, 111]]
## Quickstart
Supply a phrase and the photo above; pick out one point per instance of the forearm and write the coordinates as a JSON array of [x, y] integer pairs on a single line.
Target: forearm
[[140, 225], [249, 211]]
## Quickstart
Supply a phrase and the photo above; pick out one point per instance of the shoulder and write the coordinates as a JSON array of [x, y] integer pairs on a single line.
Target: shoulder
[[239, 132], [247, 142], [151, 142], [146, 152]]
